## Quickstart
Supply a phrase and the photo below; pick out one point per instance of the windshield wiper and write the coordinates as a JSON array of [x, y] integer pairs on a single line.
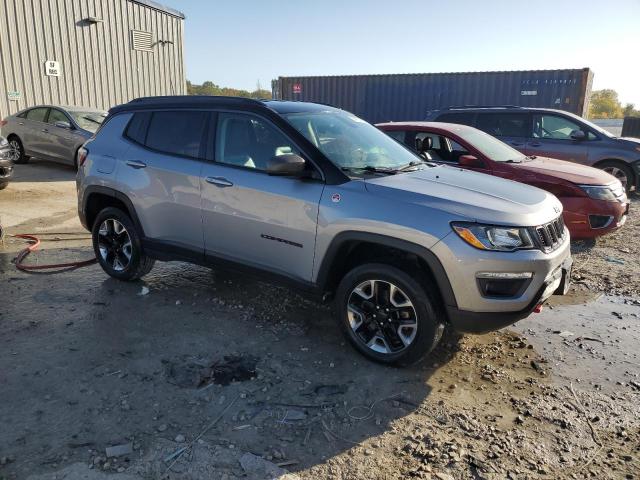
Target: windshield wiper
[[371, 168], [411, 165]]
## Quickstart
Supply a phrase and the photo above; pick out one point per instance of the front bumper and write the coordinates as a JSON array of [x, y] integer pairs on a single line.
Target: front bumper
[[465, 321], [473, 312], [579, 212]]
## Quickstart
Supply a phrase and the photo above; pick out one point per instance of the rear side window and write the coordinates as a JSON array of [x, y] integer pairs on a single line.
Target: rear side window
[[462, 118], [37, 114], [503, 124], [175, 133]]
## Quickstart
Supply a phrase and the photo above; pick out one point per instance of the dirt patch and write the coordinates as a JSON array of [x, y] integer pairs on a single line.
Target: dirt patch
[[232, 368], [206, 369]]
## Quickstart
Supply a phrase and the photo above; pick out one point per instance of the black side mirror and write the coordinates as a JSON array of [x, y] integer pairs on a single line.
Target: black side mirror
[[287, 165], [578, 135]]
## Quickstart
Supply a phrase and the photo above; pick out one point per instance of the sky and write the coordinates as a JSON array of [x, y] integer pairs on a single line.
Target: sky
[[242, 42]]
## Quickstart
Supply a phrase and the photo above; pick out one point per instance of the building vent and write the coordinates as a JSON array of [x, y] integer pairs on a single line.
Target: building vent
[[142, 41]]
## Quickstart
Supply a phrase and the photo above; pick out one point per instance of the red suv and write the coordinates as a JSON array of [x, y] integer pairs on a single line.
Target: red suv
[[595, 202]]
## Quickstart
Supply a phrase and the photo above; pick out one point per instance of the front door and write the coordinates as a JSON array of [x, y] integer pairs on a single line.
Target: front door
[[250, 216], [61, 140], [551, 137]]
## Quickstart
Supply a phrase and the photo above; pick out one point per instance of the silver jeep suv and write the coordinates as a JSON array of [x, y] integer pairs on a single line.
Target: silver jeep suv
[[325, 201]]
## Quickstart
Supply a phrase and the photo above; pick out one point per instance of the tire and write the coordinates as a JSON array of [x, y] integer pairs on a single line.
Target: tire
[[403, 347], [621, 171], [4, 185], [117, 246], [16, 144]]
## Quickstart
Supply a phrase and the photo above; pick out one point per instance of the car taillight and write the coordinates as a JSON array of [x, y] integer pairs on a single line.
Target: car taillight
[[82, 156], [3, 123]]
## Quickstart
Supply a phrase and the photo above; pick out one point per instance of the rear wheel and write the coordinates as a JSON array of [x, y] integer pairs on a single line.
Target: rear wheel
[[17, 150], [621, 171], [117, 246], [388, 315]]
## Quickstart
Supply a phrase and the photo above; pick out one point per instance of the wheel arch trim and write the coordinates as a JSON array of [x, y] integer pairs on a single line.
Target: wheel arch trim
[[110, 192], [340, 240]]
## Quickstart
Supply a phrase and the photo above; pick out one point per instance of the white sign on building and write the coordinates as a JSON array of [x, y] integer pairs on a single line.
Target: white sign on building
[[52, 68]]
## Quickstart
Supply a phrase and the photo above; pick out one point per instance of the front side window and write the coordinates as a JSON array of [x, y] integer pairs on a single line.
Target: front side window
[[248, 141], [554, 127], [56, 115], [350, 142], [177, 133], [504, 124], [489, 146], [37, 114]]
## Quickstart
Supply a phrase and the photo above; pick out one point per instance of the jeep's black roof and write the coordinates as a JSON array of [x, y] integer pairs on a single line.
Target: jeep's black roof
[[203, 101]]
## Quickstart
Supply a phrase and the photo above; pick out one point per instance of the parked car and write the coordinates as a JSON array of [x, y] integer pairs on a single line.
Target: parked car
[[319, 198], [595, 202], [555, 134], [6, 165], [50, 132]]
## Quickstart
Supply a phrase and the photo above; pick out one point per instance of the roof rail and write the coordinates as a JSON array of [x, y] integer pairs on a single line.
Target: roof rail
[[462, 107]]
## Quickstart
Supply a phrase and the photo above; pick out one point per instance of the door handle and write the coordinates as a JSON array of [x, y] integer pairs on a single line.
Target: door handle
[[536, 144], [136, 164], [219, 181], [516, 144]]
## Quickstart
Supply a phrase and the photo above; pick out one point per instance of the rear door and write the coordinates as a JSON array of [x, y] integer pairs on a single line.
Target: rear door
[[250, 216], [161, 176], [551, 137], [34, 137], [510, 127], [61, 141]]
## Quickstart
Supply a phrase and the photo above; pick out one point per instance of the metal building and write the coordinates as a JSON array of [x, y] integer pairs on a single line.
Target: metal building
[[94, 53], [379, 98]]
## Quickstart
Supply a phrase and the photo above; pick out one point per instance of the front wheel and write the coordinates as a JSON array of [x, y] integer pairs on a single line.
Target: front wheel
[[117, 246], [621, 171], [388, 315], [16, 151]]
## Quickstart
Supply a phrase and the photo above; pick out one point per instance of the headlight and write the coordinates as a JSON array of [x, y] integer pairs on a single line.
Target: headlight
[[490, 237], [599, 193]]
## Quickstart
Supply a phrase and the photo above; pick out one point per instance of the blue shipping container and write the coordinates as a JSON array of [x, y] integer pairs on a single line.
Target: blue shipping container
[[380, 98]]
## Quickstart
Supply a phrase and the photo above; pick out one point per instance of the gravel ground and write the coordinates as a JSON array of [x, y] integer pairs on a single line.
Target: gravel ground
[[215, 375]]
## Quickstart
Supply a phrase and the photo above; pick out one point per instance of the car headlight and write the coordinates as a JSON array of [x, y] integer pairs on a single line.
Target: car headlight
[[599, 193], [491, 237]]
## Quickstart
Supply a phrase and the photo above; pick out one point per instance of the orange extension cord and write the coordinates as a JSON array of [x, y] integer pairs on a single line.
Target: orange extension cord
[[33, 246]]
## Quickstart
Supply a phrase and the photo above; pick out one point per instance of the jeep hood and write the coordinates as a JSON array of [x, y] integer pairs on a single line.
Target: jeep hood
[[475, 196], [571, 172]]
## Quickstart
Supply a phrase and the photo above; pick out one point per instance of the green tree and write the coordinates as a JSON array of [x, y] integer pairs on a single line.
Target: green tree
[[210, 88], [629, 110], [605, 104]]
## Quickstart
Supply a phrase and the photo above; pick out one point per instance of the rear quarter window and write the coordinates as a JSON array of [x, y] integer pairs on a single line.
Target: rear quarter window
[[137, 128]]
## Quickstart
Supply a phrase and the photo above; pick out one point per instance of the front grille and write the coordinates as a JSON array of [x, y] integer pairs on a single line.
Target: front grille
[[550, 235]]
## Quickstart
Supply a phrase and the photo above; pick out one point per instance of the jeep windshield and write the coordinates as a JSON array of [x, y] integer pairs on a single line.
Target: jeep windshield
[[352, 143], [490, 146]]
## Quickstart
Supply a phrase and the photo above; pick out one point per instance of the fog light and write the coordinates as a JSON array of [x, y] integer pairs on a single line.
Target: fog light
[[600, 221], [503, 284]]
